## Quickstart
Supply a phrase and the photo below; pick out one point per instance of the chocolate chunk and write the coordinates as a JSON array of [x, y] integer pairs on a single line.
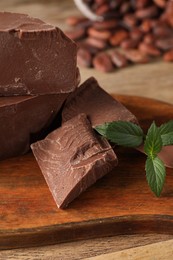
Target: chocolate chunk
[[25, 119], [35, 57], [100, 107], [72, 158]]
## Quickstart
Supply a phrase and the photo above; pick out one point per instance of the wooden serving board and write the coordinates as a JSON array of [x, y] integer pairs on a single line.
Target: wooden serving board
[[119, 203]]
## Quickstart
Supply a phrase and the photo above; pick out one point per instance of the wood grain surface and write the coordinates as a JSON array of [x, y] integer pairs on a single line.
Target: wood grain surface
[[149, 252], [88, 248], [120, 203]]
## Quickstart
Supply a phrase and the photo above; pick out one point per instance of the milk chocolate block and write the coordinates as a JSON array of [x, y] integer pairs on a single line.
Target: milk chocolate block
[[35, 57], [99, 106], [72, 158], [24, 120]]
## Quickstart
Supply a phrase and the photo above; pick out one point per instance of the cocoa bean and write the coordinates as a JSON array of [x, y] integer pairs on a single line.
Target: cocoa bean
[[109, 24], [138, 4], [129, 44], [170, 20], [158, 22], [118, 59], [169, 12], [130, 20], [76, 34], [103, 63], [136, 56], [168, 56], [118, 37], [146, 26], [84, 57], [125, 7], [102, 9], [84, 45], [136, 34], [97, 43], [149, 38], [111, 15], [160, 3], [162, 31], [103, 35], [165, 44], [149, 49], [163, 17], [149, 12]]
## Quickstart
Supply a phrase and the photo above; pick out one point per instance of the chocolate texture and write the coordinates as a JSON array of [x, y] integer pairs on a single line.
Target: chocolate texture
[[99, 106], [35, 57], [72, 158], [24, 120]]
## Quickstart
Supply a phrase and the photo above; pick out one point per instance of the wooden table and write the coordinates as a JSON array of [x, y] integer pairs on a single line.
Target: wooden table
[[153, 80]]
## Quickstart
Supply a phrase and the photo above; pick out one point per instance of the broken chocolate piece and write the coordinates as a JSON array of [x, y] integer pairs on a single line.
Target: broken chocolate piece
[[35, 57], [24, 120], [99, 106], [72, 158]]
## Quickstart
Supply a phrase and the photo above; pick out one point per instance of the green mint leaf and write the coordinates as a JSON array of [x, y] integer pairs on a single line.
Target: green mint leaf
[[155, 174], [122, 133], [166, 131], [102, 129], [153, 142]]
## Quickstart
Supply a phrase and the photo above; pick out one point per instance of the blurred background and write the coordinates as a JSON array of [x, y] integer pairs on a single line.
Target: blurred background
[[152, 79]]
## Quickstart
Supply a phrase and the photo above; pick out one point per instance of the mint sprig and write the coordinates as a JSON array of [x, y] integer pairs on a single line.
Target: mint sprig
[[131, 135], [122, 133]]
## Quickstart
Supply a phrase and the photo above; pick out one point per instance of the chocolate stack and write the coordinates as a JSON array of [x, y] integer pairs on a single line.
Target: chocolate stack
[[37, 73], [133, 32]]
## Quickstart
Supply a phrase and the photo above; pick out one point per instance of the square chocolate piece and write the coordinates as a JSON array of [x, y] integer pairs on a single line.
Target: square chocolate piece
[[72, 158], [96, 103], [35, 57]]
